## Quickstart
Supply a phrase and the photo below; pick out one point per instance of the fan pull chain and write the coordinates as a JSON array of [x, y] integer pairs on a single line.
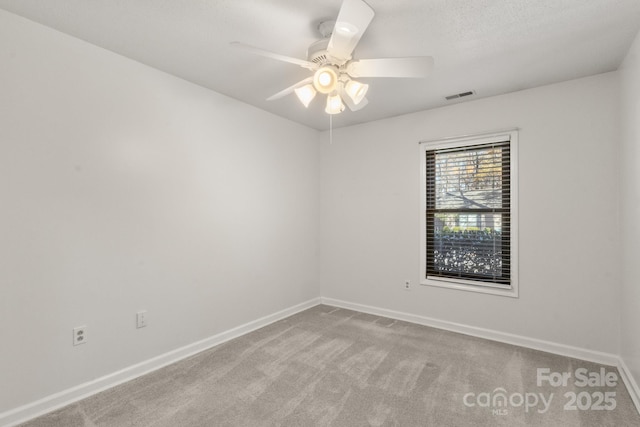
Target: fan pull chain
[[330, 129]]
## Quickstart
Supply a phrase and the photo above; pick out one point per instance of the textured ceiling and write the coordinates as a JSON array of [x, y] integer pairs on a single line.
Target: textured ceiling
[[488, 46]]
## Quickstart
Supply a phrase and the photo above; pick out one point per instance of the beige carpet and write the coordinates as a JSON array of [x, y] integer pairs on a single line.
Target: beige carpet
[[334, 367]]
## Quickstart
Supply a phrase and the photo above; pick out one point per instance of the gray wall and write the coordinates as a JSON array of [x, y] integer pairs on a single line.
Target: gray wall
[[630, 210], [124, 188], [568, 214]]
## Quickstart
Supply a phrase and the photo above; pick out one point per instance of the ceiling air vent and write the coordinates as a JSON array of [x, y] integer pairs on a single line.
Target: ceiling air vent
[[459, 95]]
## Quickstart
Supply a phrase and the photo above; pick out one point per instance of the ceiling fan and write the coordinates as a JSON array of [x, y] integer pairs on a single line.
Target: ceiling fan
[[333, 66]]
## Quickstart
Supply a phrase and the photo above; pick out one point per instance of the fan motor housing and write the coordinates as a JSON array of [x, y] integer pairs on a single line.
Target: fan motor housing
[[317, 52]]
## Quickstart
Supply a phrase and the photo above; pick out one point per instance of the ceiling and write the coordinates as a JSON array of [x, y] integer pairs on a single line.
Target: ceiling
[[487, 46]]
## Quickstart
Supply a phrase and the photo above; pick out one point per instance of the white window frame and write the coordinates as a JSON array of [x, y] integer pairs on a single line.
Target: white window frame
[[463, 284]]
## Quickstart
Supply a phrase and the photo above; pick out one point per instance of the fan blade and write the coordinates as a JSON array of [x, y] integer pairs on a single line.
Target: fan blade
[[290, 89], [353, 19], [416, 67], [256, 50]]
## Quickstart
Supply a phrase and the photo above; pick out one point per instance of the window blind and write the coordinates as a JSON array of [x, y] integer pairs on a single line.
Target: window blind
[[468, 213]]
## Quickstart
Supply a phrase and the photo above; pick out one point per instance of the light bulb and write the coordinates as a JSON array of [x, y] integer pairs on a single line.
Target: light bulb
[[306, 94], [356, 91], [334, 104], [325, 79]]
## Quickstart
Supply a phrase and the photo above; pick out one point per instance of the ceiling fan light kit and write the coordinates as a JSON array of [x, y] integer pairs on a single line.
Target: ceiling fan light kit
[[334, 104], [356, 90], [333, 66], [325, 79], [306, 94]]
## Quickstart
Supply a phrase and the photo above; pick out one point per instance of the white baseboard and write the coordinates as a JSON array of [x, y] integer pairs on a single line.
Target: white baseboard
[[519, 340], [50, 403], [630, 382]]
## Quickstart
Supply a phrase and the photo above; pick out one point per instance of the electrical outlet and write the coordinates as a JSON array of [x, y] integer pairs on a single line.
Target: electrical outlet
[[79, 335], [141, 319], [407, 285]]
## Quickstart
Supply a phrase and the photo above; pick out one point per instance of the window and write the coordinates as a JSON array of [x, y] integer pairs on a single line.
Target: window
[[469, 194]]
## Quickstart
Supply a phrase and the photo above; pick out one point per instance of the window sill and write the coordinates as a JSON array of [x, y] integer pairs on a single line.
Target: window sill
[[471, 286]]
